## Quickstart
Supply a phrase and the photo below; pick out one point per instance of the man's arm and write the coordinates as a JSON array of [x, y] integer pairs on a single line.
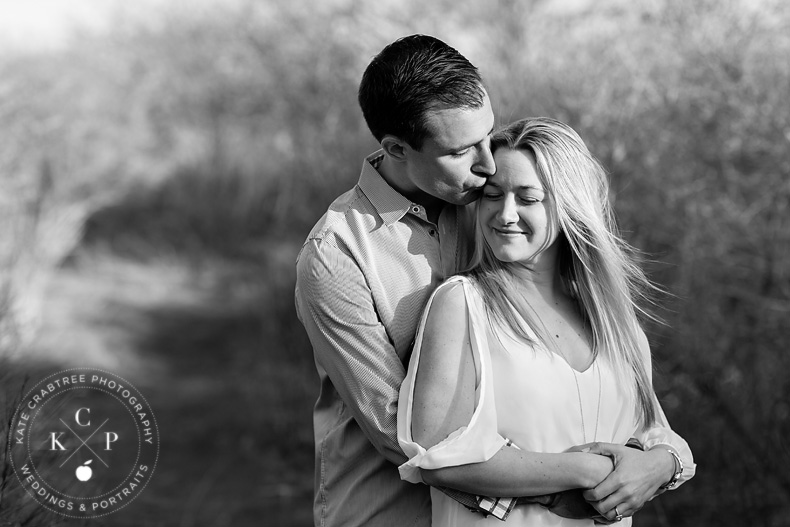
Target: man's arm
[[351, 345], [349, 342]]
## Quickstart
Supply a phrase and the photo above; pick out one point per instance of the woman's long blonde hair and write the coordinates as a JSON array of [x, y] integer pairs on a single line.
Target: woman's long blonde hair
[[598, 268]]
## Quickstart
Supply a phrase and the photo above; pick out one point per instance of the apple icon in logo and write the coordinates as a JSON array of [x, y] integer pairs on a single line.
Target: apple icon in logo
[[84, 472]]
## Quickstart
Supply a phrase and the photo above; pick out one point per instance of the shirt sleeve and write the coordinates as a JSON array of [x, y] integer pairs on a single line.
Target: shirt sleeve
[[476, 442], [336, 307]]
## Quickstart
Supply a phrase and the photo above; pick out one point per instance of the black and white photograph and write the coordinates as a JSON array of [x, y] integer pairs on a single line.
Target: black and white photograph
[[344, 263]]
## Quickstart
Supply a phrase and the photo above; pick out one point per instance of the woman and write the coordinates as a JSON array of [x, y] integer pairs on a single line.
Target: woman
[[539, 345]]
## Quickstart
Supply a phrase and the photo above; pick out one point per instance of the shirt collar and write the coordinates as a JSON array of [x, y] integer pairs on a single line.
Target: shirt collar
[[390, 204]]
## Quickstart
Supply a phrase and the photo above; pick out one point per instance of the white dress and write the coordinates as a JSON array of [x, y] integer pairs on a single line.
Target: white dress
[[528, 395]]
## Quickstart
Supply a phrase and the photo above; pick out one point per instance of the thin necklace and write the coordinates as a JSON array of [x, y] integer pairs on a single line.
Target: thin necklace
[[581, 408], [578, 389]]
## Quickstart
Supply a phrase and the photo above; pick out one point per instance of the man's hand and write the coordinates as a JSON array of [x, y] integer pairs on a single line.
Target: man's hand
[[571, 504], [636, 477]]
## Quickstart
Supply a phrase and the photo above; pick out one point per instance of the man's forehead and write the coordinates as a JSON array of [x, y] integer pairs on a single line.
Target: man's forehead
[[459, 127]]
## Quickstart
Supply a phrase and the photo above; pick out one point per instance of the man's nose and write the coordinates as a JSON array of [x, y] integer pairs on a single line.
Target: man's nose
[[485, 165]]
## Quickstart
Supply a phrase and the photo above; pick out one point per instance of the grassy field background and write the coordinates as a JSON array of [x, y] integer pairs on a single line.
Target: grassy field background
[[158, 179]]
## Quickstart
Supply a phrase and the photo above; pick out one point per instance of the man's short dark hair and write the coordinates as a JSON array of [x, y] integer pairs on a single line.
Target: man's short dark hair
[[411, 76]]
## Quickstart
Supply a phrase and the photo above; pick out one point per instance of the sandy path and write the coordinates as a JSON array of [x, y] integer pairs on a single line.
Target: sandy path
[[212, 348]]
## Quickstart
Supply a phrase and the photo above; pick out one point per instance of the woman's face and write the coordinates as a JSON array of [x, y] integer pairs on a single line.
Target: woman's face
[[515, 213]]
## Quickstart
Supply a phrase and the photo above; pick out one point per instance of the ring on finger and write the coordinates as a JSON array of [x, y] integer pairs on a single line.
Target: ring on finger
[[618, 516]]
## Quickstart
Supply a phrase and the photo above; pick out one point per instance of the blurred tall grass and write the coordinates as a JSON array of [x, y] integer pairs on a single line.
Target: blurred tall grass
[[221, 136]]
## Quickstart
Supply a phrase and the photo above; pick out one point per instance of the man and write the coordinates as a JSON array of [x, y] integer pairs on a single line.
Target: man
[[368, 266], [370, 263]]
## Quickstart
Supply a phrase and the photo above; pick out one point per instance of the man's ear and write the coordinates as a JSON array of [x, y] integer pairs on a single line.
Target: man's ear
[[395, 148]]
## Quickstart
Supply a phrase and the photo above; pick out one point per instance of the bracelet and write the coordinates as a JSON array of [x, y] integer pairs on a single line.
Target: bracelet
[[678, 471]]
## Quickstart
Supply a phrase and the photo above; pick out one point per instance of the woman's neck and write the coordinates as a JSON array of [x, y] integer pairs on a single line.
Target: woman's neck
[[541, 275], [539, 283]]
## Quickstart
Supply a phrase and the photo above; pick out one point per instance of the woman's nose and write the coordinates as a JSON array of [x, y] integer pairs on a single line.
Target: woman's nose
[[507, 213]]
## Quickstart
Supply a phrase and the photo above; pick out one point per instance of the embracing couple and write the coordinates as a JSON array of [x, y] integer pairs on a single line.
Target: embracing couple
[[473, 316]]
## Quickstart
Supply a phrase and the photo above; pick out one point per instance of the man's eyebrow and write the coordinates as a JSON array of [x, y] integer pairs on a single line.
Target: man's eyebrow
[[464, 147]]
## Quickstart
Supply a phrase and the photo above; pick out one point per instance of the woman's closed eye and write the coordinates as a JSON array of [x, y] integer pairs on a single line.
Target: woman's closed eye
[[524, 200]]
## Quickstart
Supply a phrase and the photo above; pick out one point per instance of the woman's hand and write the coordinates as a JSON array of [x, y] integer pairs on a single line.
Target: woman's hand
[[636, 477], [593, 469]]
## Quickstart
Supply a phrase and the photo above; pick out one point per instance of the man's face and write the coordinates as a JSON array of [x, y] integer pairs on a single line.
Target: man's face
[[455, 158]]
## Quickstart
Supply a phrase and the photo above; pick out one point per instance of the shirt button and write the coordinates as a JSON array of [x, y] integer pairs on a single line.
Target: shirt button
[[415, 210], [432, 232]]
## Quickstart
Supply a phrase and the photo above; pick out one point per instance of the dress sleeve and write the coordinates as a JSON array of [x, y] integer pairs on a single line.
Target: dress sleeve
[[661, 434], [479, 440]]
